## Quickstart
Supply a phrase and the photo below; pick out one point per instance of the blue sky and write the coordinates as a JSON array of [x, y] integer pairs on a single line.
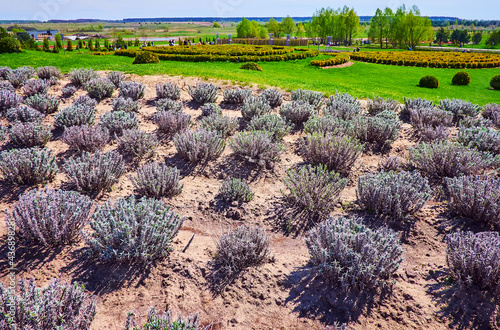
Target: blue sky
[[118, 9]]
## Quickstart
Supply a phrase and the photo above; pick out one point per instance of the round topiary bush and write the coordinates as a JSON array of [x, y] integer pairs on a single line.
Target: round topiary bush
[[146, 58], [429, 82], [251, 66], [495, 82], [461, 78]]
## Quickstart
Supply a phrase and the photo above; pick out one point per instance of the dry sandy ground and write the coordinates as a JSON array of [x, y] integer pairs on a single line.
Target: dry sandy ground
[[283, 294]]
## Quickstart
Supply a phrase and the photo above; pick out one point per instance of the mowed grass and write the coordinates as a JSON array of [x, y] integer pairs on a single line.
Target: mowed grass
[[363, 80]]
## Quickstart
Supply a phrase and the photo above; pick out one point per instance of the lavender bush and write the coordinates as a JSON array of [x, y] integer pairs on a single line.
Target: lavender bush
[[75, 115], [273, 97], [271, 123], [476, 198], [118, 121], [27, 71], [86, 138], [492, 112], [35, 87], [199, 146], [4, 70], [9, 100], [204, 93], [209, 109], [79, 77], [377, 105], [168, 105], [99, 88], [396, 194], [24, 114], [116, 77], [168, 91], [392, 163], [56, 306], [157, 180], [44, 103], [431, 134], [132, 230], [165, 321], [224, 125], [126, 104], [28, 135], [460, 108], [297, 112], [343, 106], [48, 72], [328, 125], [482, 139], [314, 189], [365, 259], [68, 90], [433, 117], [235, 190], [416, 104], [257, 147], [132, 89], [86, 101], [6, 85], [137, 143], [27, 166], [255, 106], [236, 96], [474, 259], [313, 98], [95, 173], [337, 153], [50, 217], [17, 78], [380, 130], [171, 122]]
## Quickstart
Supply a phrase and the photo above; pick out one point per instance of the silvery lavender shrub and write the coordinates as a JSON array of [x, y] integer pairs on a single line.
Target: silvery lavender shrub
[[35, 87], [86, 101], [44, 103], [448, 159], [27, 71], [75, 115], [255, 106], [86, 138], [68, 91], [95, 173], [257, 147], [395, 194], [48, 72], [126, 104], [380, 130], [392, 163], [235, 190], [168, 105], [239, 249], [365, 259], [168, 91], [209, 109], [24, 114], [6, 85], [116, 77], [132, 89], [474, 259], [52, 81], [3, 133], [50, 217], [297, 112], [4, 70], [338, 153], [477, 198], [492, 112], [482, 139], [199, 146], [271, 123], [9, 100], [314, 189], [132, 230], [313, 98], [377, 105], [27, 166], [224, 125], [157, 180], [470, 122], [99, 88], [431, 134], [424, 117], [137, 143], [57, 306], [273, 97], [416, 104], [79, 77], [204, 93], [459, 108], [171, 122], [236, 96], [165, 321], [17, 78], [343, 106], [328, 125], [28, 135], [118, 121]]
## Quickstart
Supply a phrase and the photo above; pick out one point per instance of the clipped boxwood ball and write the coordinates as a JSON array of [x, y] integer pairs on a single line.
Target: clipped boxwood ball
[[461, 78], [429, 82]]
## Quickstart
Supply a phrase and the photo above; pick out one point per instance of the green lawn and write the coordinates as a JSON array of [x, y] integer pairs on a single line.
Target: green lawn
[[362, 79]]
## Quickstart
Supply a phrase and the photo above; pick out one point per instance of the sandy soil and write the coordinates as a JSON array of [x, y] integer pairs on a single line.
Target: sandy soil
[[283, 294]]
